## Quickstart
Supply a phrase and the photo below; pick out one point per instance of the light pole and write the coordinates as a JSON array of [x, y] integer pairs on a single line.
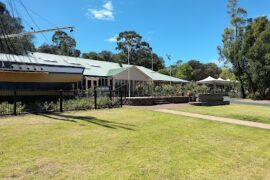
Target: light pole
[[152, 58], [128, 72], [169, 57]]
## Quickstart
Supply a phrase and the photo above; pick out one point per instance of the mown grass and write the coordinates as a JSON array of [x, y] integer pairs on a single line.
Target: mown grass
[[130, 144], [236, 111]]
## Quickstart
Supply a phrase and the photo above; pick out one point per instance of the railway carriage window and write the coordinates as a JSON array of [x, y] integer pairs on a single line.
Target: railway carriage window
[[7, 64]]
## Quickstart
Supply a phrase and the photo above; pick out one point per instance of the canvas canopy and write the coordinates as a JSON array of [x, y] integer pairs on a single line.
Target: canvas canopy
[[212, 81]]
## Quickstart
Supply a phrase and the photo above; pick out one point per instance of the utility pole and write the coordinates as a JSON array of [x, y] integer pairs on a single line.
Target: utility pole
[[152, 58], [152, 72], [169, 58]]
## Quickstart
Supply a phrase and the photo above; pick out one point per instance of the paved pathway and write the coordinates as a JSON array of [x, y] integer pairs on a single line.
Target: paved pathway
[[248, 101], [219, 119]]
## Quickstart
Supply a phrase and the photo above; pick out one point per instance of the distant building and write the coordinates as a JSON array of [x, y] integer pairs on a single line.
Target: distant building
[[40, 71]]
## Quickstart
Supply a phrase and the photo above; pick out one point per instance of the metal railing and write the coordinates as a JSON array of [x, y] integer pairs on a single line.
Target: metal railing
[[20, 102]]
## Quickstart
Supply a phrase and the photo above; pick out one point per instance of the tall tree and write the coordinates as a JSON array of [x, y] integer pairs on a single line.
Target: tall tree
[[13, 25], [256, 50], [63, 44], [232, 43], [140, 52]]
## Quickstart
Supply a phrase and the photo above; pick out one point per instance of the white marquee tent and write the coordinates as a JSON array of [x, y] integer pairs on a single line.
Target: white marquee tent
[[212, 81]]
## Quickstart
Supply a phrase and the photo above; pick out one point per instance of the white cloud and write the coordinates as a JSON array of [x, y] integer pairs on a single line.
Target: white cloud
[[112, 39], [108, 6], [106, 13]]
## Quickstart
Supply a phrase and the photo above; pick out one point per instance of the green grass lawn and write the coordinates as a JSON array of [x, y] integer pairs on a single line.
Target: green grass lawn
[[130, 144], [237, 111]]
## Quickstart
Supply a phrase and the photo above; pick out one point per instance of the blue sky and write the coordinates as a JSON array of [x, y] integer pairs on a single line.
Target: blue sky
[[186, 29]]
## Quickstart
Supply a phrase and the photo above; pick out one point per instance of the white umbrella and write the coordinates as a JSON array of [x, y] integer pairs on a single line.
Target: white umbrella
[[208, 80], [221, 81]]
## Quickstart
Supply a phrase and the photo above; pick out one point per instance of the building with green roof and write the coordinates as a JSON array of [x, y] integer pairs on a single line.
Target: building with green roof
[[95, 73]]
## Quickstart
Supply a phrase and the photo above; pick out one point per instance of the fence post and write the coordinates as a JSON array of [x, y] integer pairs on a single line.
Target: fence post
[[15, 103], [121, 98], [61, 100], [125, 88], [110, 105], [95, 96]]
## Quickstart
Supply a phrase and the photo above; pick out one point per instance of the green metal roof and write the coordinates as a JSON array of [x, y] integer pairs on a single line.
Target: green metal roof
[[158, 76], [93, 67], [113, 72]]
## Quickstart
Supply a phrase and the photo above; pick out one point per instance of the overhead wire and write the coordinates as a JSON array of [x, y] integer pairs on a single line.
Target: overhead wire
[[31, 27], [21, 59], [32, 19], [12, 5]]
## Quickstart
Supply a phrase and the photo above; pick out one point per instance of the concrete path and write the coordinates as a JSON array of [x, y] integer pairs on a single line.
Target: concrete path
[[248, 101], [219, 119]]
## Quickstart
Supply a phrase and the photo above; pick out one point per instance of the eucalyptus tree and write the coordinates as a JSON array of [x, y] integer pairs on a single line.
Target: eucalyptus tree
[[231, 50], [140, 51], [257, 52]]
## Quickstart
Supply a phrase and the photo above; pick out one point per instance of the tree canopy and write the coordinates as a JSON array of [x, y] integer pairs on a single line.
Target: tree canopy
[[13, 25], [227, 73], [62, 44], [232, 39], [130, 43], [246, 47], [194, 70], [140, 51]]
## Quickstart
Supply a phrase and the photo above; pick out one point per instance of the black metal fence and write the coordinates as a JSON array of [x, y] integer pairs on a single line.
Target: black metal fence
[[20, 102]]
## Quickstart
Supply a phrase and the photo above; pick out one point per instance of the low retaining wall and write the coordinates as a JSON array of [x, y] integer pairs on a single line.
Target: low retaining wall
[[210, 98], [177, 99], [150, 101]]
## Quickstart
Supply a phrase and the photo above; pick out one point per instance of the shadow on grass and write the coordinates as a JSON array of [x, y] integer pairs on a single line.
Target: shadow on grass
[[88, 119]]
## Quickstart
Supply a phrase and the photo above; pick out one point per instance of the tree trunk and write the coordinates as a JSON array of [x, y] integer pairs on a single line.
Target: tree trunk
[[243, 93]]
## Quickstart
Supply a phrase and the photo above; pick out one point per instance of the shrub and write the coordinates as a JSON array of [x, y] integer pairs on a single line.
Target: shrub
[[104, 101], [78, 104], [7, 108], [40, 106]]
